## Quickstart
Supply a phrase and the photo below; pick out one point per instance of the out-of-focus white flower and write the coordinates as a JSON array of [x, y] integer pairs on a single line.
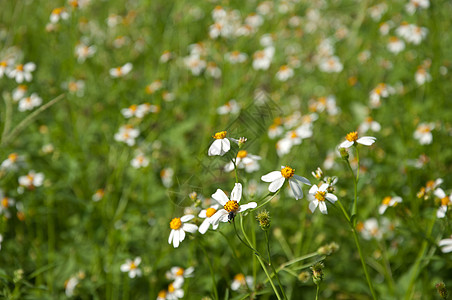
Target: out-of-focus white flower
[[423, 133], [83, 51], [178, 274], [244, 160], [395, 45], [70, 285], [388, 202], [263, 58], [231, 107], [412, 33], [235, 57], [422, 76], [28, 103], [98, 195], [59, 13], [369, 124], [178, 228], [284, 73], [11, 163], [113, 20], [22, 72], [31, 180], [377, 11], [446, 245], [331, 65], [121, 71], [385, 27], [76, 87], [370, 229], [5, 66], [140, 161], [166, 175], [382, 90], [445, 202], [241, 281], [131, 266], [195, 64], [127, 134], [213, 70], [154, 86], [414, 5], [19, 92], [166, 56], [5, 204]]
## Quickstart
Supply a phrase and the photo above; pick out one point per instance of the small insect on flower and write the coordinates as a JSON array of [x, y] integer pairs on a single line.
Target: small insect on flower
[[221, 145], [179, 227], [352, 139], [277, 179], [131, 266], [318, 195], [121, 71], [230, 207]]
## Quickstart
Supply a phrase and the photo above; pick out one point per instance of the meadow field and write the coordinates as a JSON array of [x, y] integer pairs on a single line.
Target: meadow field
[[285, 149]]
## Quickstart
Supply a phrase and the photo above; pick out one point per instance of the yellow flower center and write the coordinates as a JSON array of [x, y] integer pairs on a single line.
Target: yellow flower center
[[175, 223], [240, 278], [287, 172], [72, 86], [5, 202], [231, 206], [3, 64], [20, 68], [386, 200], [360, 226], [180, 272], [171, 288], [57, 11], [444, 201], [162, 294], [293, 134], [242, 154], [220, 135], [320, 195], [352, 136], [284, 68], [210, 212], [133, 266], [12, 157]]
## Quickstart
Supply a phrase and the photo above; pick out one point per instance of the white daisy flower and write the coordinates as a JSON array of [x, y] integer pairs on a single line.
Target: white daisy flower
[[370, 229], [174, 292], [423, 133], [241, 281], [277, 179], [388, 202], [121, 71], [178, 274], [446, 245], [131, 111], [131, 266], [422, 76], [331, 65], [263, 58], [230, 207], [5, 204], [83, 51], [166, 175], [139, 161], [22, 72], [244, 160], [236, 57], [5, 66], [11, 162], [395, 45], [369, 124], [127, 134], [57, 14], [28, 103], [445, 202], [70, 285], [178, 228], [19, 92], [284, 73], [207, 214], [195, 64], [231, 107], [352, 139], [318, 195], [98, 195], [221, 145], [31, 180]]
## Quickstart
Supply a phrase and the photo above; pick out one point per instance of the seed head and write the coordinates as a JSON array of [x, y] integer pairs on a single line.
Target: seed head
[[264, 219]]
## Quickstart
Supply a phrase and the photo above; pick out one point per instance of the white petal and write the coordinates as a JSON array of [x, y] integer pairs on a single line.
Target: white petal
[[296, 189], [447, 249], [203, 214], [441, 212], [186, 218], [445, 242], [331, 197], [382, 209], [204, 226], [229, 167], [276, 185], [313, 205], [189, 227], [182, 234], [176, 239], [346, 144], [366, 140], [220, 197], [225, 146], [322, 207], [125, 267], [302, 179], [323, 187], [137, 261], [215, 148], [313, 189], [439, 192], [237, 192], [247, 206], [170, 239], [215, 219], [272, 176]]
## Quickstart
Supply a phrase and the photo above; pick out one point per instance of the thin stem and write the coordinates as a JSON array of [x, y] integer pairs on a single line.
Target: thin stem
[[272, 266], [317, 292], [8, 116], [268, 276], [212, 273], [369, 282]]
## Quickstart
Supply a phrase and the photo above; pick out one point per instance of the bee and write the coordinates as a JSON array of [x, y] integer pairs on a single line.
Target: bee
[[231, 216]]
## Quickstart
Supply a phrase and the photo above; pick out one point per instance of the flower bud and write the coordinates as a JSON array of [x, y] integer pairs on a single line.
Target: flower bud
[[304, 276], [317, 272], [264, 219], [344, 153], [242, 142], [442, 291]]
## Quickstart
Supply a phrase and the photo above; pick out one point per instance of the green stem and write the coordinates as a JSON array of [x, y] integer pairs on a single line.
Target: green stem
[[317, 292], [212, 273], [369, 282], [387, 268], [420, 258], [8, 116], [272, 266], [268, 276], [268, 200]]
